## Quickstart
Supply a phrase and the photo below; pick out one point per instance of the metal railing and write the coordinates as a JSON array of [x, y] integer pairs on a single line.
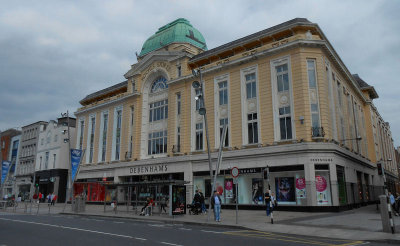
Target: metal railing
[[317, 132]]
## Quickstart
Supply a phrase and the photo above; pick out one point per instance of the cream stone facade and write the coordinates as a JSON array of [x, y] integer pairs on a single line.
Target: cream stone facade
[[289, 102]]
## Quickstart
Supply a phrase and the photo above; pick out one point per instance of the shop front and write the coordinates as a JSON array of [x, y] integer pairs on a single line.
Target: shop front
[[52, 181]]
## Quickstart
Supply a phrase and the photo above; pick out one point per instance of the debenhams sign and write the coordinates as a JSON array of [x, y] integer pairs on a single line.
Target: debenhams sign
[[149, 169]]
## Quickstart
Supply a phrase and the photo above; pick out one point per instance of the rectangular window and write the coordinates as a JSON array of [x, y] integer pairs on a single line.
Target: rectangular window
[[285, 123], [129, 154], [40, 164], [92, 129], [54, 161], [339, 94], [179, 71], [223, 122], [312, 83], [118, 135], [252, 128], [251, 89], [178, 103], [158, 110], [198, 92], [157, 143], [199, 136], [282, 77], [104, 137], [82, 126], [223, 92], [178, 140], [46, 161]]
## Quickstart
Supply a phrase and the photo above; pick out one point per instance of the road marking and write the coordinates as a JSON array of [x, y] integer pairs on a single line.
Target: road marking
[[71, 228], [171, 244], [155, 225], [185, 229], [212, 231], [139, 238], [119, 222]]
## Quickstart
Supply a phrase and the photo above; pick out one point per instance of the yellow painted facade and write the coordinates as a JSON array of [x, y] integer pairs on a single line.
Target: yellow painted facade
[[345, 109]]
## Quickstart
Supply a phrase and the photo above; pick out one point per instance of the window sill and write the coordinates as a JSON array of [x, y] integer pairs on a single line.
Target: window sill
[[197, 152], [251, 146], [286, 141]]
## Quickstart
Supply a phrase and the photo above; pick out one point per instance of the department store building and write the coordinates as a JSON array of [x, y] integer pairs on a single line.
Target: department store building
[[289, 103]]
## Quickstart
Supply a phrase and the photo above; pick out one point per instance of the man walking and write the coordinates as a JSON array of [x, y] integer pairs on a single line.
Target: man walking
[[216, 203]]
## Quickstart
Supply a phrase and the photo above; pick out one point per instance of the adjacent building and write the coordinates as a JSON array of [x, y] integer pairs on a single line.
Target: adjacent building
[[52, 157], [289, 103], [27, 157], [9, 140]]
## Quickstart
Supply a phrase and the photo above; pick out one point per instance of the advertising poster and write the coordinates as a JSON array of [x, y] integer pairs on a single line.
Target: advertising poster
[[5, 165], [285, 189], [301, 187], [228, 188], [321, 186], [257, 192]]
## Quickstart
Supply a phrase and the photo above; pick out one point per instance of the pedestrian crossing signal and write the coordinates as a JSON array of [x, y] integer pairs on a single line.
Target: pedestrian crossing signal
[[379, 166]]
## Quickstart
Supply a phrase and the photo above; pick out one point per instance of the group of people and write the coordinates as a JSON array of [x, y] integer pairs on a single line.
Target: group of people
[[51, 198], [270, 202], [395, 202]]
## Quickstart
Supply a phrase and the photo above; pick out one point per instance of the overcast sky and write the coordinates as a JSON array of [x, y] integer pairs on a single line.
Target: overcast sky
[[54, 53]]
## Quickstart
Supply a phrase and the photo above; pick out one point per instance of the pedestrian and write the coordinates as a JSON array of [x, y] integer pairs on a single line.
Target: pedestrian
[[53, 199], [392, 203], [49, 199], [397, 203], [267, 199], [147, 203], [40, 197], [163, 204], [216, 203], [202, 203]]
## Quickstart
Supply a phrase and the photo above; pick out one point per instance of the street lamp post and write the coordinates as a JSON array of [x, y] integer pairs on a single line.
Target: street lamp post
[[202, 111], [68, 192]]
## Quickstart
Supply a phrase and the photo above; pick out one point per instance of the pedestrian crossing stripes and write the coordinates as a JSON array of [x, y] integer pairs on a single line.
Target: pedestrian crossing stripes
[[295, 239]]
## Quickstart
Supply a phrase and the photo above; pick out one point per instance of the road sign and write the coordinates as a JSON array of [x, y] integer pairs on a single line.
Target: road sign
[[235, 172]]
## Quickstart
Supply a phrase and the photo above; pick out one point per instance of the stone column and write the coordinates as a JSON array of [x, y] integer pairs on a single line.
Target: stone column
[[309, 173], [334, 184]]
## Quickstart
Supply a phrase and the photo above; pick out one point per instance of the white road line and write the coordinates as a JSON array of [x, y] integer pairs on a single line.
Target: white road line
[[171, 244], [212, 231], [97, 220], [156, 225], [119, 222], [185, 229], [67, 227], [139, 238]]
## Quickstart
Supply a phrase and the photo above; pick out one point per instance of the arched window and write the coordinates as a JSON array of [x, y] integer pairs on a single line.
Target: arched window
[[159, 84]]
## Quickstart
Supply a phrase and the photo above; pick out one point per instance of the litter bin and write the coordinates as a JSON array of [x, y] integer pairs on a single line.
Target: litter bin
[[79, 205]]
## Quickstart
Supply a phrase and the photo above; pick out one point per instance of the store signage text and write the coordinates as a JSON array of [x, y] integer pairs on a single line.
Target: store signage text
[[248, 170], [321, 159], [148, 169]]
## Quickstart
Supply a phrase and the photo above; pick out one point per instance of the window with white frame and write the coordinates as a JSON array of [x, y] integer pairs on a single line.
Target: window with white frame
[[118, 134], [285, 123], [178, 103], [40, 163], [282, 99], [313, 94], [223, 122], [46, 161], [179, 71], [157, 143], [250, 102], [54, 160], [158, 110], [251, 85], [199, 136], [199, 102], [178, 139], [223, 92], [81, 131], [92, 129], [252, 128], [131, 133], [103, 136], [282, 77]]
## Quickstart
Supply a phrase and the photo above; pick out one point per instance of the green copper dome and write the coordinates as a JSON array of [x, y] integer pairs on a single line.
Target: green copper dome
[[178, 31]]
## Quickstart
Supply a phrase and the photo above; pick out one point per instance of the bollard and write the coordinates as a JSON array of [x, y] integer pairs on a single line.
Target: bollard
[[386, 215]]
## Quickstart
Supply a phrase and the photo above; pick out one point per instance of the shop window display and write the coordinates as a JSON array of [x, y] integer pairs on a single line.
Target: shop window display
[[323, 188], [257, 192]]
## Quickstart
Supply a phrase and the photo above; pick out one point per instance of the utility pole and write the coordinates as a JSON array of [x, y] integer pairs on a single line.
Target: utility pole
[[68, 194]]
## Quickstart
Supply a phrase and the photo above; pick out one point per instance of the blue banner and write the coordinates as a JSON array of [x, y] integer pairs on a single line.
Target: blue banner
[[5, 165], [75, 160]]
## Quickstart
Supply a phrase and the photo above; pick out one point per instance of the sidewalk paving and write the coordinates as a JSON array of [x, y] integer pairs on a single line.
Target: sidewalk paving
[[358, 224]]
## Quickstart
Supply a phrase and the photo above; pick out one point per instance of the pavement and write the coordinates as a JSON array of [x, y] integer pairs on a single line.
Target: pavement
[[358, 224]]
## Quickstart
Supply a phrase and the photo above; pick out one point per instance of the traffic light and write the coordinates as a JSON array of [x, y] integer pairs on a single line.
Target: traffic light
[[266, 173], [379, 166]]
